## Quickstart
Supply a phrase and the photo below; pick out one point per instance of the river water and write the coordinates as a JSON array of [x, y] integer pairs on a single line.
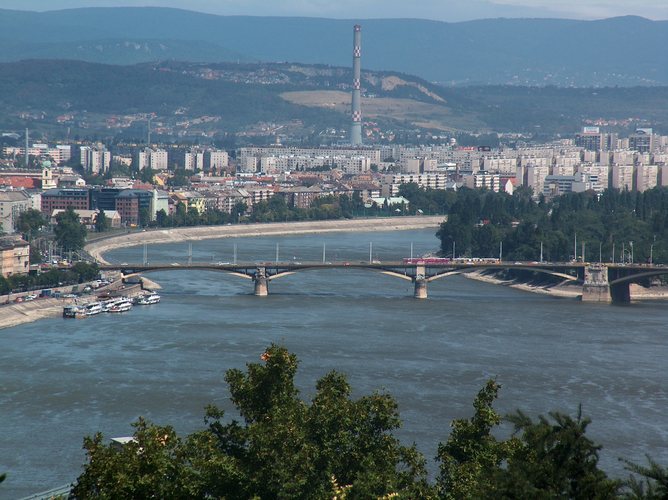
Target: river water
[[62, 379]]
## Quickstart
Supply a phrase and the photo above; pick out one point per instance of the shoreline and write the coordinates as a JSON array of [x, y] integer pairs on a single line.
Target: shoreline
[[14, 314], [182, 234], [566, 289]]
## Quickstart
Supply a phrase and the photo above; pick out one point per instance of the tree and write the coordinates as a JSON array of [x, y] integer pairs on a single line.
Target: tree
[[555, 460], [102, 222], [69, 232], [284, 447], [30, 222], [653, 484], [472, 455]]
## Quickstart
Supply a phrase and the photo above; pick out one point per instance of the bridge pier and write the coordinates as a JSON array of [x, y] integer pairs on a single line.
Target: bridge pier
[[261, 282], [420, 281], [420, 289], [596, 287]]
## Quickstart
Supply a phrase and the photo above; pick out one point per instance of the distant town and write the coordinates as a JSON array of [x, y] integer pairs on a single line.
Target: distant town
[[94, 177]]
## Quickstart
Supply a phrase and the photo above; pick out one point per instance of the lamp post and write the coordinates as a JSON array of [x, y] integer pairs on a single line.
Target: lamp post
[[631, 243]]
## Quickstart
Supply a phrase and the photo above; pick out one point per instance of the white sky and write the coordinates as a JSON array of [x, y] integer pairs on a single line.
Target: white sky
[[445, 10]]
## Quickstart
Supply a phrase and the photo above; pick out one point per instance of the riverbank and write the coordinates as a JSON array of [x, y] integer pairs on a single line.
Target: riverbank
[[568, 289], [181, 234]]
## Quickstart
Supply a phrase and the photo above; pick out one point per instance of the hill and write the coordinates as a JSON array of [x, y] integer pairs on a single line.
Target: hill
[[258, 99], [618, 51]]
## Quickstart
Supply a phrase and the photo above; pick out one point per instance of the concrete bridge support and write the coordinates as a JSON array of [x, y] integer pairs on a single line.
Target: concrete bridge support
[[420, 282], [420, 289], [596, 287], [261, 282]]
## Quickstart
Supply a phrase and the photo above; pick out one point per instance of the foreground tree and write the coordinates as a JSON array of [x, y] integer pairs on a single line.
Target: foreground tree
[[555, 460], [283, 448], [472, 455]]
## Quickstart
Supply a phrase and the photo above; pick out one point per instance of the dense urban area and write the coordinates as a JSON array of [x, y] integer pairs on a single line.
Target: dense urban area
[[107, 188]]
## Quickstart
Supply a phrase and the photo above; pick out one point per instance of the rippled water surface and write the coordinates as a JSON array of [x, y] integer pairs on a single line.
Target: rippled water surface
[[61, 380]]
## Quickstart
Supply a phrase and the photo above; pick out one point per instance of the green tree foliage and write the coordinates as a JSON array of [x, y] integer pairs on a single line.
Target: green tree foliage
[[70, 233], [102, 222], [472, 455], [284, 447], [652, 484], [78, 273], [555, 460], [30, 222], [478, 221], [336, 446]]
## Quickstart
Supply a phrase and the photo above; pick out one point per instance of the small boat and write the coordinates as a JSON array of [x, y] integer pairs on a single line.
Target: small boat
[[148, 299], [93, 308], [74, 311], [120, 306]]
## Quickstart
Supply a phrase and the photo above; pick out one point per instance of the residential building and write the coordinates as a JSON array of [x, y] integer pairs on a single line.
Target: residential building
[[12, 203], [14, 256], [646, 177], [622, 177]]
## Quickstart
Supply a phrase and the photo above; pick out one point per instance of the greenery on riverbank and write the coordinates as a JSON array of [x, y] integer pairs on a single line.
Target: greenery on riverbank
[[613, 226], [338, 447], [78, 273]]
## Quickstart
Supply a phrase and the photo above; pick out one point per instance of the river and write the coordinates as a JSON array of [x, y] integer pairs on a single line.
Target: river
[[62, 379]]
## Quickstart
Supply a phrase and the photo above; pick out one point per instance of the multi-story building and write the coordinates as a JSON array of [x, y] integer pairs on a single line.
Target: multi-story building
[[646, 177], [12, 203], [590, 139], [134, 204], [622, 177], [483, 180], [55, 199], [599, 175], [193, 160], [391, 183], [642, 140], [156, 159], [14, 256], [535, 178], [95, 160], [216, 160]]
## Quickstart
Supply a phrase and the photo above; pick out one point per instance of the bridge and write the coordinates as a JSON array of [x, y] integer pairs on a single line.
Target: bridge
[[602, 282]]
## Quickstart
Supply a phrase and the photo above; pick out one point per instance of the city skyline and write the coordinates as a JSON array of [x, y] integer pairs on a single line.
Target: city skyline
[[440, 10]]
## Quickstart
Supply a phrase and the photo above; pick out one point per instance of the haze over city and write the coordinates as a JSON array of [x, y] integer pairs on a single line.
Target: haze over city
[[441, 10]]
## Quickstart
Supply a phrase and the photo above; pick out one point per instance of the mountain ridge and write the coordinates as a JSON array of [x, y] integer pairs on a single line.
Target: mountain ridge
[[532, 51]]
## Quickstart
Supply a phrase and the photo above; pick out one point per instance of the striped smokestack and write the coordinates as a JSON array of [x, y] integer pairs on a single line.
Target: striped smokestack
[[356, 126]]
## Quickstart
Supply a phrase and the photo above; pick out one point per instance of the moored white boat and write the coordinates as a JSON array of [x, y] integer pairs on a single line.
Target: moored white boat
[[93, 308], [120, 306], [148, 299]]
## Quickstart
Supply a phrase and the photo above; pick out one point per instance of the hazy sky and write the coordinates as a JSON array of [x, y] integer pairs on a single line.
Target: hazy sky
[[445, 10]]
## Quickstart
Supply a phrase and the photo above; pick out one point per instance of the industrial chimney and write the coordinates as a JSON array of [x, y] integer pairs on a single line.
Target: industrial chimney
[[356, 126]]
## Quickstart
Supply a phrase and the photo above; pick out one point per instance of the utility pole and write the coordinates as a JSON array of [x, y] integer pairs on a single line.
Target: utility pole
[[323, 253], [190, 254], [370, 252], [500, 251], [575, 247], [453, 249], [276, 253]]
